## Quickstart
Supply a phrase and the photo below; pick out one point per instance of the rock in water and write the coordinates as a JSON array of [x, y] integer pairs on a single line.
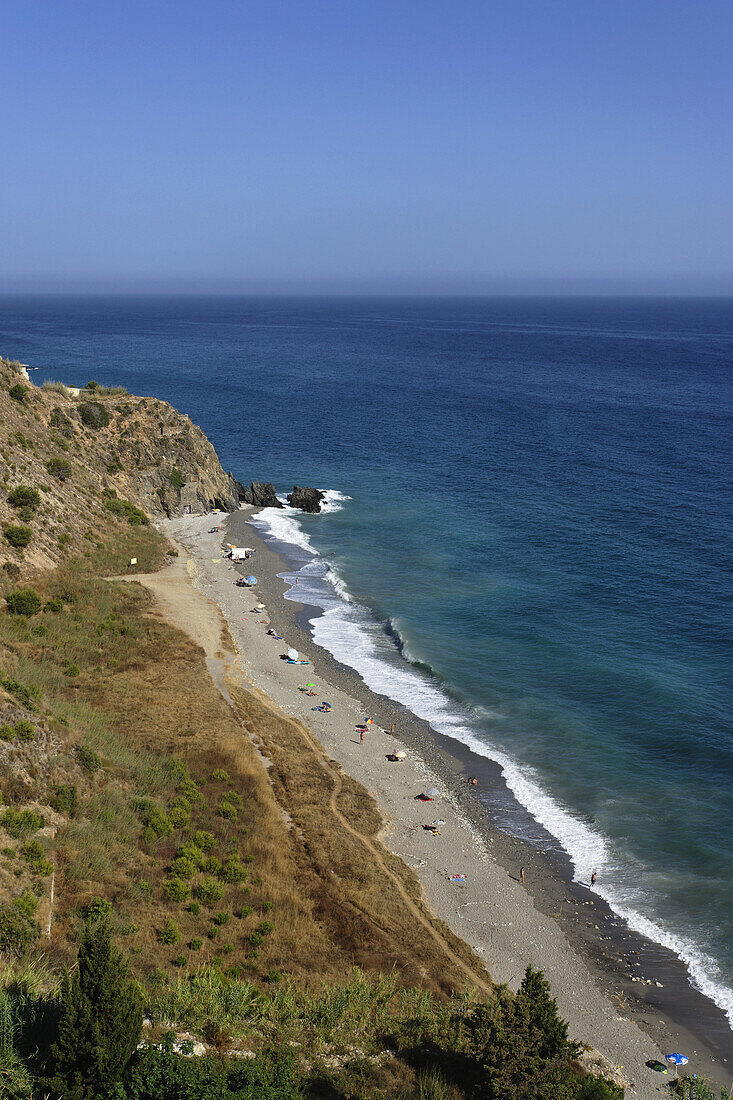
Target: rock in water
[[309, 500], [261, 495]]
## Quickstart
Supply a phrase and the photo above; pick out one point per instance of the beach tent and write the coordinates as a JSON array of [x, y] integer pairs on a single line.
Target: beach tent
[[292, 655], [400, 755]]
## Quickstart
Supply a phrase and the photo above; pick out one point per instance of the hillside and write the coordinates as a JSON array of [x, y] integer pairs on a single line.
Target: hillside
[[82, 453], [236, 865]]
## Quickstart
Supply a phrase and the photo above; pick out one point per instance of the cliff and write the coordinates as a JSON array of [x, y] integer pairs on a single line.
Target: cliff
[[81, 451]]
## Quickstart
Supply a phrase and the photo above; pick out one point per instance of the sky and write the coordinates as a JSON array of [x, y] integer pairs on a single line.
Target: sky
[[367, 146]]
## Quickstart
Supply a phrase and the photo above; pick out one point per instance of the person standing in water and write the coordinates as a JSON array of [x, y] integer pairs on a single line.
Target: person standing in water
[[593, 878]]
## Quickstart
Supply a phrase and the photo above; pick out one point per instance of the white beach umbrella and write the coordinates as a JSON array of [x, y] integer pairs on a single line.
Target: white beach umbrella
[[293, 654]]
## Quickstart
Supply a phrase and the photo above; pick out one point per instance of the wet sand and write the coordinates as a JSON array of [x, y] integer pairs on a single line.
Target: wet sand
[[587, 953]]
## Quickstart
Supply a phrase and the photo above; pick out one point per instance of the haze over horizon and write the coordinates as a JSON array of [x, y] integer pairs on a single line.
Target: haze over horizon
[[404, 148]]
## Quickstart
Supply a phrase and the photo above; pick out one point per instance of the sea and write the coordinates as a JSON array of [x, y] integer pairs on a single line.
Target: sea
[[526, 539]]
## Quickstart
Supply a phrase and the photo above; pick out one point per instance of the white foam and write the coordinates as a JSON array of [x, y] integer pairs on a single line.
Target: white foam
[[282, 524], [353, 637], [333, 500]]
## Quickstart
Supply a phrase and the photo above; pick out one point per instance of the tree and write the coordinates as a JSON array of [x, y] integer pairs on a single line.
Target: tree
[[100, 1019], [523, 1045]]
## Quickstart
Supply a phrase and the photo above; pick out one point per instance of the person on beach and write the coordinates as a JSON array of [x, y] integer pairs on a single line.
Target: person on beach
[[392, 730], [593, 878], [361, 737], [521, 875]]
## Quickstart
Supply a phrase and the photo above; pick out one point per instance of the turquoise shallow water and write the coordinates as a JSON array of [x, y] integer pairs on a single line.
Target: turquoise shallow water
[[539, 506]]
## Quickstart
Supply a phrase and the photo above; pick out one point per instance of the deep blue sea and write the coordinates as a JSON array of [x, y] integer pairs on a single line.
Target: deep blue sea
[[535, 494]]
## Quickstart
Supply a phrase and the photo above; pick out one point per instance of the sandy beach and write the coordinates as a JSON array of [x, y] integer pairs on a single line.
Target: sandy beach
[[546, 922]]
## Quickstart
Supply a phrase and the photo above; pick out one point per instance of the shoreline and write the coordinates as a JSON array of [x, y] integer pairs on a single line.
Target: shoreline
[[566, 930]]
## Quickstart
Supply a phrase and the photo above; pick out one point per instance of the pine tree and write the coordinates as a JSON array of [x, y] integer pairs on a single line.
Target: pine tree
[[526, 1052], [100, 1019]]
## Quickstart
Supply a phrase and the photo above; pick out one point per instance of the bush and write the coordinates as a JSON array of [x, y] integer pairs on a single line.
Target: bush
[[226, 810], [196, 945], [18, 933], [233, 870], [24, 497], [21, 823], [59, 468], [24, 730], [24, 601], [18, 535], [54, 605], [203, 840], [35, 857], [87, 759], [175, 889], [61, 422], [169, 933], [93, 415], [220, 775], [126, 510], [18, 392], [65, 799], [183, 867], [176, 479], [208, 891]]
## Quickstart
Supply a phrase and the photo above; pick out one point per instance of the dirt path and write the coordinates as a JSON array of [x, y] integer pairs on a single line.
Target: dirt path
[[185, 607]]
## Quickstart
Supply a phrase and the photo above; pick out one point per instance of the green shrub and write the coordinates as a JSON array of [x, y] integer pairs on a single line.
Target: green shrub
[[35, 857], [220, 775], [176, 479], [26, 904], [233, 798], [221, 918], [208, 891], [196, 945], [18, 535], [93, 415], [54, 605], [18, 934], [24, 693], [175, 889], [244, 912], [61, 422], [59, 468], [87, 759], [212, 865], [24, 601], [273, 976], [65, 799], [24, 730], [180, 960], [23, 496], [233, 870], [97, 909], [227, 811], [126, 510], [203, 840], [169, 933], [21, 823], [191, 852], [194, 908], [18, 392], [255, 939], [266, 928], [189, 789], [183, 867]]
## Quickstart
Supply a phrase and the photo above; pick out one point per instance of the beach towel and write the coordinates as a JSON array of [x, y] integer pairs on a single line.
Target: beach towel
[[455, 879]]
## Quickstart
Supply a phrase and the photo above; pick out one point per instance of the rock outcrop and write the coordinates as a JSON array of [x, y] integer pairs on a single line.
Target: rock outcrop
[[308, 500], [80, 450], [261, 494]]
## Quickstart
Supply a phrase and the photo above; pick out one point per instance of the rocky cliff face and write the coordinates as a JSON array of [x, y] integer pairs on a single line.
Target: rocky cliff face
[[81, 453]]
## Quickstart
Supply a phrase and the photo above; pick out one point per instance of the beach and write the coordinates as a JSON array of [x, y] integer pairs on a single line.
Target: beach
[[548, 922]]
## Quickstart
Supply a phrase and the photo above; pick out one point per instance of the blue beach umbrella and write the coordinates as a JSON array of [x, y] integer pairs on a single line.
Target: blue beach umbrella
[[678, 1059], [251, 580]]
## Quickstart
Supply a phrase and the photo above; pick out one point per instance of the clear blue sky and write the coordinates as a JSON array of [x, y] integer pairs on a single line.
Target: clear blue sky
[[367, 145]]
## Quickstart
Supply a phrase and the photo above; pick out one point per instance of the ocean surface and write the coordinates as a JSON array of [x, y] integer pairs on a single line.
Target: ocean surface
[[527, 539]]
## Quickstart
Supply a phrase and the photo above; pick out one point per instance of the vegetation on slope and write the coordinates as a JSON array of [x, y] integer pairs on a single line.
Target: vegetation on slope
[[137, 809]]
